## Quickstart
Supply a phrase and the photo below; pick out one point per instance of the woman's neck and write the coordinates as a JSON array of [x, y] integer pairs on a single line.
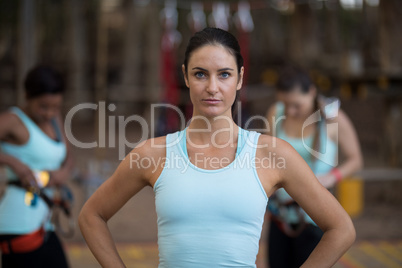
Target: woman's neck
[[218, 131]]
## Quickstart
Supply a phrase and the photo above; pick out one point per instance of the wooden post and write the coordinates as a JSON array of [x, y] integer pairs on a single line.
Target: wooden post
[[370, 45], [332, 40], [132, 51], [101, 79], [27, 48], [101, 56], [390, 37], [152, 52], [303, 43], [271, 38], [131, 92], [76, 83]]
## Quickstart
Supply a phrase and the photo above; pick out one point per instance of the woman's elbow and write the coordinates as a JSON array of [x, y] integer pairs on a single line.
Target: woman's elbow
[[85, 218], [89, 218], [360, 163], [356, 162], [348, 233], [82, 220]]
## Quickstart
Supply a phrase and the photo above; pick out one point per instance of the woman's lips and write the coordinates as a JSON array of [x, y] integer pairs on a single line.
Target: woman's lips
[[211, 101]]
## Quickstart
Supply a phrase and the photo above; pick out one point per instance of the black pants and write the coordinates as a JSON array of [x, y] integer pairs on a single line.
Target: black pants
[[290, 252], [49, 255]]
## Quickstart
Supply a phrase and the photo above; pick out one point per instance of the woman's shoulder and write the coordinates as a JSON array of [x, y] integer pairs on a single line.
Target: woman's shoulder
[[152, 147], [8, 122], [7, 116], [271, 141], [148, 157], [156, 146], [271, 144], [333, 111]]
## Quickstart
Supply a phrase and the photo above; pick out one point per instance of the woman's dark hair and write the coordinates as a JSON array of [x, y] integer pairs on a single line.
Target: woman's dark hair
[[291, 78], [214, 36], [43, 80], [217, 37]]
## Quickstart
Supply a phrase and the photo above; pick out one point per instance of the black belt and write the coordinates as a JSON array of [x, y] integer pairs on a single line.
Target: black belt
[[40, 193]]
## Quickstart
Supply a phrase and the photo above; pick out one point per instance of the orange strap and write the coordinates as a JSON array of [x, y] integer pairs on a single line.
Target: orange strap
[[23, 243]]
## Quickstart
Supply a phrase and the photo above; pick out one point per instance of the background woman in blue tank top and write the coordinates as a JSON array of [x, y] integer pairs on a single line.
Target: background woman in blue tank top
[[293, 234], [32, 141], [212, 179]]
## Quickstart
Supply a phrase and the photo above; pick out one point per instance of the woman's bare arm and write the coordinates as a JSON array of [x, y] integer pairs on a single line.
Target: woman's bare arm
[[63, 174], [349, 146], [126, 181], [300, 182], [8, 127]]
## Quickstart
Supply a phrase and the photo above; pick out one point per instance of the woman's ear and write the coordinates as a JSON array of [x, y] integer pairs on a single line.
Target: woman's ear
[[183, 69], [240, 82]]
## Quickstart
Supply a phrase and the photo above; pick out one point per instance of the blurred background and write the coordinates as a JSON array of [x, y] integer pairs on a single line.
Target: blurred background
[[128, 53]]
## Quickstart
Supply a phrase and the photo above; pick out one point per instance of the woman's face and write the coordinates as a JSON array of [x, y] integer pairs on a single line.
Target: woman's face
[[45, 107], [213, 80], [298, 105]]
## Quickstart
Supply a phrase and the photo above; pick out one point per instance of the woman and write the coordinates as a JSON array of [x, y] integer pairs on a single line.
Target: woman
[[212, 186], [35, 154], [312, 125]]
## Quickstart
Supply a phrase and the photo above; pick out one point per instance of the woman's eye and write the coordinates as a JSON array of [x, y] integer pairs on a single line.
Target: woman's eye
[[199, 75], [225, 75]]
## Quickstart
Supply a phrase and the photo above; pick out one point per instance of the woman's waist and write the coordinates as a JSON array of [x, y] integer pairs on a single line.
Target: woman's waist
[[17, 215], [225, 249]]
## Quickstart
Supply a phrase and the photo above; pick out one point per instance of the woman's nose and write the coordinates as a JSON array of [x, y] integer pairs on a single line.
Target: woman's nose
[[212, 87]]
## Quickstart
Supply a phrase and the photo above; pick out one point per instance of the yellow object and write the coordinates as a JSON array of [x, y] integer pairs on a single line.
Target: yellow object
[[42, 178], [350, 193], [28, 198]]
